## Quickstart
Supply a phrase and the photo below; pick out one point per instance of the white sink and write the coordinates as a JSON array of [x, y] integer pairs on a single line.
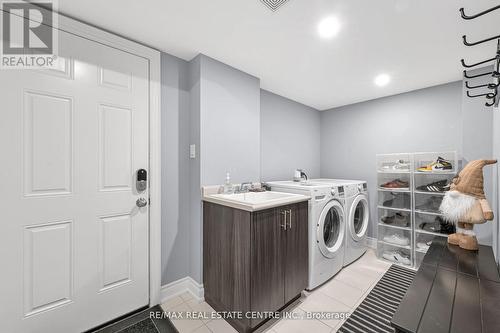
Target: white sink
[[254, 197], [253, 201]]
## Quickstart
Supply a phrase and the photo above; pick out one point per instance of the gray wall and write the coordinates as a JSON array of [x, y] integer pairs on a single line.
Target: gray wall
[[478, 144], [225, 126], [230, 124], [423, 120], [175, 169], [290, 138], [195, 240]]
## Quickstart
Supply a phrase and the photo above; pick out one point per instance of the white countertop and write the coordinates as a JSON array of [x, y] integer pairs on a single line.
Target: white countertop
[[252, 201]]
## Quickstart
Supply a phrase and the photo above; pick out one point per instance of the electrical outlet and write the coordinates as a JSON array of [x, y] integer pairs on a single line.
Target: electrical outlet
[[192, 151]]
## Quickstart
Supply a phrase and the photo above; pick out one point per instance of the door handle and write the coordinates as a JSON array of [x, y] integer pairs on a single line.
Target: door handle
[[141, 202], [289, 219], [283, 218]]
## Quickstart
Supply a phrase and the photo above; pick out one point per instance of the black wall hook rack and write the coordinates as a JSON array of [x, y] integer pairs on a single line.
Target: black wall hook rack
[[471, 17], [494, 86], [487, 85], [479, 63], [488, 104], [487, 95], [467, 43], [469, 76], [495, 74]]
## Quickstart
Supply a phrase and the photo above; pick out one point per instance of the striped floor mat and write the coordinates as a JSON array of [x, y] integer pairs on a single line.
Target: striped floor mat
[[374, 314]]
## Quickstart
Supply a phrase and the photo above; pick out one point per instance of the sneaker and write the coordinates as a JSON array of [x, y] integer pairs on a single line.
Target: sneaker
[[399, 165], [424, 246], [432, 204], [446, 227], [398, 219], [439, 186], [397, 257], [397, 240], [440, 165], [398, 200], [430, 226], [438, 225], [397, 184]]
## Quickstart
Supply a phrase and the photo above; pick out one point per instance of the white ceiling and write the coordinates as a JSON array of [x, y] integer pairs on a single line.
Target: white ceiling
[[417, 42]]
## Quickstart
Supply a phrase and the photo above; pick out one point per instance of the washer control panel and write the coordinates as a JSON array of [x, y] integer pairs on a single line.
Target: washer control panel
[[338, 191]]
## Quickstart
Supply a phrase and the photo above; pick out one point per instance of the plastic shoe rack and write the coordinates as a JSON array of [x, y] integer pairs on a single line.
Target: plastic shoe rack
[[416, 209]]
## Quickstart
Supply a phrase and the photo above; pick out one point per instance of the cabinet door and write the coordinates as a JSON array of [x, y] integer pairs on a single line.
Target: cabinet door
[[226, 258], [297, 250], [267, 285]]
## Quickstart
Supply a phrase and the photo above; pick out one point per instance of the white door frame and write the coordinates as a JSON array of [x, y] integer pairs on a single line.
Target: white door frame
[[87, 31]]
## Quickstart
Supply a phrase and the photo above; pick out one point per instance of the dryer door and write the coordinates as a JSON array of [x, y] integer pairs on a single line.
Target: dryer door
[[359, 216], [330, 229]]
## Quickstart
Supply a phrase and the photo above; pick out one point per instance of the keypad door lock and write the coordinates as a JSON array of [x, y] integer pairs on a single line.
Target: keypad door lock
[[142, 180]]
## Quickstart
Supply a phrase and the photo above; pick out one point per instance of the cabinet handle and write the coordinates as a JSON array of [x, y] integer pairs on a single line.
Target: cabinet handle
[[289, 219], [283, 218]]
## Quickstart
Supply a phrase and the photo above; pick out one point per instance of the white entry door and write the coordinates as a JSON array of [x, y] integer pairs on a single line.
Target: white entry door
[[74, 244]]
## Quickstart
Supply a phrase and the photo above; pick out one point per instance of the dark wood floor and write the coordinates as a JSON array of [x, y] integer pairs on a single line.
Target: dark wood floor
[[454, 290]]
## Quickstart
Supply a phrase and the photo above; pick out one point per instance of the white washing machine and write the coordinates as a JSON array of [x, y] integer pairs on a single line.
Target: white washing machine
[[357, 213], [326, 227]]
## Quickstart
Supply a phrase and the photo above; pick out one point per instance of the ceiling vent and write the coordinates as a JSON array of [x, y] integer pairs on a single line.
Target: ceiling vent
[[274, 4]]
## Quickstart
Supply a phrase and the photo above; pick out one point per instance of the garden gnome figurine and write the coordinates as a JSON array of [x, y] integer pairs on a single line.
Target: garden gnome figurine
[[465, 204]]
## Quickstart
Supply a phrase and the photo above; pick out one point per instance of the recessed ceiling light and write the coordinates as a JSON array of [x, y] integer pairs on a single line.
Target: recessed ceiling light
[[329, 27], [382, 80]]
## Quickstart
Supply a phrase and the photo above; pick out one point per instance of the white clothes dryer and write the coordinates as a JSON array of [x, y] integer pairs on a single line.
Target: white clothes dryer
[[357, 213]]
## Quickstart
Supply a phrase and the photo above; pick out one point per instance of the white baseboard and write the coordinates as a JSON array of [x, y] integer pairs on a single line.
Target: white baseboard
[[181, 286], [371, 242]]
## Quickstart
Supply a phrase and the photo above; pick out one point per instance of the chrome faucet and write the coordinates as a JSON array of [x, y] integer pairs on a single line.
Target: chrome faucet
[[245, 187]]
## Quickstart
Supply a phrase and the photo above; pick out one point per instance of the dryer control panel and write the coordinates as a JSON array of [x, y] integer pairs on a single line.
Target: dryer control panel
[[354, 189]]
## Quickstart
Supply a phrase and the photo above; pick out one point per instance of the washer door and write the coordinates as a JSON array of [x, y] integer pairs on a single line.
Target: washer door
[[330, 229], [359, 217]]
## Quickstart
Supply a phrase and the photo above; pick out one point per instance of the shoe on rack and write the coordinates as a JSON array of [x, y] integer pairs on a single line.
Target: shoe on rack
[[438, 225], [388, 219], [432, 204], [430, 226], [397, 240], [424, 246], [396, 184], [439, 186], [399, 165], [440, 165], [398, 219], [397, 257], [399, 200], [446, 227]]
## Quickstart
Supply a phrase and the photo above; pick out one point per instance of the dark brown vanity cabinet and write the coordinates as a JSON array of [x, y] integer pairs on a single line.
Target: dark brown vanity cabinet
[[254, 261]]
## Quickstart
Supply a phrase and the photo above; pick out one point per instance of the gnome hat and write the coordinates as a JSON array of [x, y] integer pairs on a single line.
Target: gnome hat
[[470, 180]]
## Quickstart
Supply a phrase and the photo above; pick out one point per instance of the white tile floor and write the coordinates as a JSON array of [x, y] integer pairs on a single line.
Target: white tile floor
[[343, 293]]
